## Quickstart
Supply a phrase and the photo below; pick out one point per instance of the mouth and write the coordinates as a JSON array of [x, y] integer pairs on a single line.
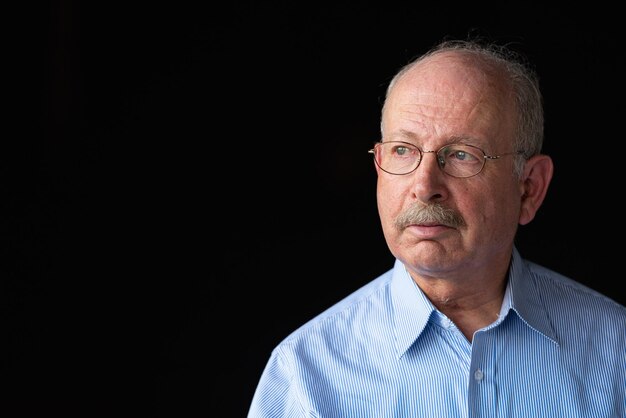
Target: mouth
[[428, 224], [428, 230]]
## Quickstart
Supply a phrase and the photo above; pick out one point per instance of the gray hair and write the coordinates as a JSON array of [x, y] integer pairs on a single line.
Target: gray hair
[[522, 78]]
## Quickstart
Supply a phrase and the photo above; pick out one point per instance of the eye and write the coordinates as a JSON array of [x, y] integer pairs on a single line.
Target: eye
[[401, 150], [461, 154]]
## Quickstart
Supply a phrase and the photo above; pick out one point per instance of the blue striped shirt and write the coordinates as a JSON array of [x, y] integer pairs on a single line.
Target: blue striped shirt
[[558, 349]]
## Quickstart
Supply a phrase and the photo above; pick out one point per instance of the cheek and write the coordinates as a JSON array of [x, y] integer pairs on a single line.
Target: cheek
[[487, 202], [499, 210], [390, 199]]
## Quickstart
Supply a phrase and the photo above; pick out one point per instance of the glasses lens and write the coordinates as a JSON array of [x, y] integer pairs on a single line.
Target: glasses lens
[[461, 160], [397, 157]]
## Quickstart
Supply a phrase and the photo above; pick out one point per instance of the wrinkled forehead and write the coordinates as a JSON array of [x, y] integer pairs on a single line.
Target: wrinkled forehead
[[458, 75], [453, 88]]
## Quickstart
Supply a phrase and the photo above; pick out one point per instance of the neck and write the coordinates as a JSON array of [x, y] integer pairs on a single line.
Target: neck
[[470, 306]]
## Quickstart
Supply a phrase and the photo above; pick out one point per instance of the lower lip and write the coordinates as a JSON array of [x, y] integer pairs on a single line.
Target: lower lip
[[422, 231]]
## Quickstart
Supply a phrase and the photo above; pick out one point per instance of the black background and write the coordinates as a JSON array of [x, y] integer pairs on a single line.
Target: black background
[[189, 183]]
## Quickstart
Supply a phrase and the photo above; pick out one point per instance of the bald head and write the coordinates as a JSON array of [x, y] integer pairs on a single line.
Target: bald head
[[467, 73], [441, 84]]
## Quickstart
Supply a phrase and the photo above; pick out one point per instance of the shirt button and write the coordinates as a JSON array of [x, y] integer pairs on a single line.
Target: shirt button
[[478, 375]]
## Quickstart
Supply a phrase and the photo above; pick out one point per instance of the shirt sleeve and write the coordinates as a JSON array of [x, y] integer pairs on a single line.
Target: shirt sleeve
[[276, 395]]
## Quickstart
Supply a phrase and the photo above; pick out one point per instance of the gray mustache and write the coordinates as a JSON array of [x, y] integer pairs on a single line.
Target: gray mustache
[[419, 213]]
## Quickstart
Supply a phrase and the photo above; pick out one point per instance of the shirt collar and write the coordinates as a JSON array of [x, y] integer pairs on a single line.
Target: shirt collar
[[412, 309], [526, 299]]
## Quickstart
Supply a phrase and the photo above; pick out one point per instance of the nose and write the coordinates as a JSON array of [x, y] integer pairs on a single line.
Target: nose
[[429, 179], [430, 164]]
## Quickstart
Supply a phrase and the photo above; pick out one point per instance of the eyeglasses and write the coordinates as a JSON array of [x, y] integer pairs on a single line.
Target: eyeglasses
[[456, 160]]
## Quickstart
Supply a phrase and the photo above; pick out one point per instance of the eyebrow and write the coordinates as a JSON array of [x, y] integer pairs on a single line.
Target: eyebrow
[[412, 138]]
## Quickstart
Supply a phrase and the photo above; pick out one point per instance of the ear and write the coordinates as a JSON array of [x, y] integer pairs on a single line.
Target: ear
[[376, 167], [535, 181]]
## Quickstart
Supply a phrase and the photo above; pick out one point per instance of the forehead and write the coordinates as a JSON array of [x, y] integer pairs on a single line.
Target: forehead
[[459, 71], [453, 94]]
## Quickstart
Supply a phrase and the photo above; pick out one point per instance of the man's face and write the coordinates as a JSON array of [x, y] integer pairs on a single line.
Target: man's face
[[442, 101]]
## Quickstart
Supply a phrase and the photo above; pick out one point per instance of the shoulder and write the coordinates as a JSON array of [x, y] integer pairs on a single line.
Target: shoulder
[[365, 307], [569, 295]]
